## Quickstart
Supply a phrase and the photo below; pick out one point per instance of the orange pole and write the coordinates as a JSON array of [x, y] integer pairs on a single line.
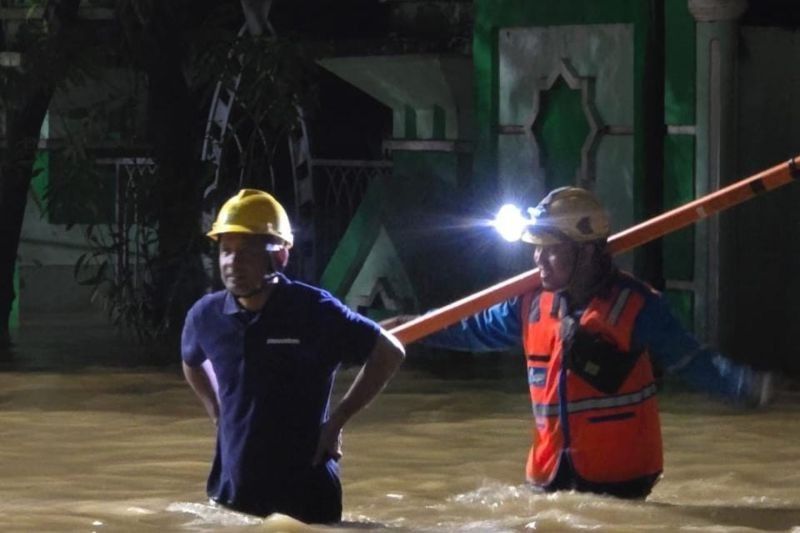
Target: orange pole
[[623, 241]]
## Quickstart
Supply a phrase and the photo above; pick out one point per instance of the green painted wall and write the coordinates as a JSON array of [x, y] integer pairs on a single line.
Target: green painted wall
[[442, 166], [491, 15], [408, 206], [679, 63], [678, 190], [382, 263], [41, 169], [561, 129], [41, 173], [356, 243], [679, 150], [682, 304], [679, 106], [13, 321], [410, 123], [679, 154]]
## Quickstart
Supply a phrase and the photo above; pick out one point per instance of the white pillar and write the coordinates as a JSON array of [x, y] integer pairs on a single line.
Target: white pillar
[[715, 161]]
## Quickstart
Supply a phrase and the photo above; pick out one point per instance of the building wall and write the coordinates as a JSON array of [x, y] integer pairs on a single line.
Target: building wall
[[47, 256], [99, 116], [605, 42], [717, 271], [561, 90], [679, 154], [762, 292]]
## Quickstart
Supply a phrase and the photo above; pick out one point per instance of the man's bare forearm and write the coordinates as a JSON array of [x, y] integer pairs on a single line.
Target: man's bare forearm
[[385, 359], [201, 385]]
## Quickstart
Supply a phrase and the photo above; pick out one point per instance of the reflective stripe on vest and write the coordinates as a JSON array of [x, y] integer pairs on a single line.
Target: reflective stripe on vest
[[592, 404], [608, 438]]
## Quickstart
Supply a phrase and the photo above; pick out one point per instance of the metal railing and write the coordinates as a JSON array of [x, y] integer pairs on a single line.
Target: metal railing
[[134, 238], [339, 187]]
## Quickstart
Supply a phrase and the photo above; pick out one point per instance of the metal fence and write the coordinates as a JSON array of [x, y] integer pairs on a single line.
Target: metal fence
[[339, 187], [133, 237]]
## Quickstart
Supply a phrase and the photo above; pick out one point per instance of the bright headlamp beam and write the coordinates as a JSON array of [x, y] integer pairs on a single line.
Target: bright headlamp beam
[[510, 223]]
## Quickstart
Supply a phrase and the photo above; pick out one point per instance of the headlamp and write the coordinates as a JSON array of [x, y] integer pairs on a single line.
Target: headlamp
[[510, 223]]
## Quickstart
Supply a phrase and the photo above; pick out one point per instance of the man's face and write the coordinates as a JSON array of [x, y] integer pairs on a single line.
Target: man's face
[[243, 263], [556, 264]]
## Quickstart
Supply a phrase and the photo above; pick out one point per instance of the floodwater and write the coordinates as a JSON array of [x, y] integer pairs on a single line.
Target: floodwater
[[126, 448]]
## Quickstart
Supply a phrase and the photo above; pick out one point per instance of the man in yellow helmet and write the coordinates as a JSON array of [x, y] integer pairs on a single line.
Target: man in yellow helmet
[[590, 335], [262, 356]]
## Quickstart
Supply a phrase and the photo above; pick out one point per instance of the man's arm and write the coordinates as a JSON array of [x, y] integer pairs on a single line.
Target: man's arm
[[383, 361], [201, 385], [678, 352], [497, 328], [494, 329]]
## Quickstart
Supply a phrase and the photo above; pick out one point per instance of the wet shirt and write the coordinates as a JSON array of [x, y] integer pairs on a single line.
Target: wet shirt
[[275, 371]]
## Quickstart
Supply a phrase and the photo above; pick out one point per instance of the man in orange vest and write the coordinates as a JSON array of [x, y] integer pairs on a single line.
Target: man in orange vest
[[590, 335]]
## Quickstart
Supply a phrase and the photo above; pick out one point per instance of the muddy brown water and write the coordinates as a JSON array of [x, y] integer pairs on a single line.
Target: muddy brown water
[[94, 447]]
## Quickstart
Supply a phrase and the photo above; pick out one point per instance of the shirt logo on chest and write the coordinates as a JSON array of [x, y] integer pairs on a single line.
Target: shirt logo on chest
[[283, 341]]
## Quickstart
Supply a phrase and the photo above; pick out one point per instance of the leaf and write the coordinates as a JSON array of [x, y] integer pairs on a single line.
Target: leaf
[[99, 276]]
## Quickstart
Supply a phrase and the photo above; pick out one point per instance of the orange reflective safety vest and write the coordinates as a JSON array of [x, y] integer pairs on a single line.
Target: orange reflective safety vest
[[607, 437]]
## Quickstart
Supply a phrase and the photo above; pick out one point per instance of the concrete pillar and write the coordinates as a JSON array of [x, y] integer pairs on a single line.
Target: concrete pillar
[[717, 41]]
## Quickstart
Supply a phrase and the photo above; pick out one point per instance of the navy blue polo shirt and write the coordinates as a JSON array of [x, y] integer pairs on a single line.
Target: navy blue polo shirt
[[275, 370]]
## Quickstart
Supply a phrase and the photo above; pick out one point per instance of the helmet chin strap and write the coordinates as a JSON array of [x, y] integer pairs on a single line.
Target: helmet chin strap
[[576, 285], [576, 254], [579, 289], [275, 270], [269, 278]]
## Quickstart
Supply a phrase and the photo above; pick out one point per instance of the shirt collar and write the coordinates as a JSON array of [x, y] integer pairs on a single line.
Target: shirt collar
[[230, 306]]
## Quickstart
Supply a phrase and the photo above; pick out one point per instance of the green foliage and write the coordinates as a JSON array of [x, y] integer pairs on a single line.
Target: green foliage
[[120, 218], [121, 264], [121, 232], [77, 191], [72, 60], [274, 81], [92, 108], [272, 78]]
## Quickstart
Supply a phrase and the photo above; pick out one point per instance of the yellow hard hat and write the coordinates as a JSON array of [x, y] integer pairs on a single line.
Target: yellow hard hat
[[567, 214], [254, 212]]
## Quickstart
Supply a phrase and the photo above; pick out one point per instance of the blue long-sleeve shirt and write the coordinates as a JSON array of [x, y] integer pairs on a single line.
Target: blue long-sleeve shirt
[[656, 329]]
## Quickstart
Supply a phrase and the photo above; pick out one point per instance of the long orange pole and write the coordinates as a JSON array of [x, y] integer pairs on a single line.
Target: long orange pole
[[623, 241]]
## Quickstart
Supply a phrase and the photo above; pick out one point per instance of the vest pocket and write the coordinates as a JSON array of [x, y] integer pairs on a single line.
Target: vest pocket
[[598, 361]]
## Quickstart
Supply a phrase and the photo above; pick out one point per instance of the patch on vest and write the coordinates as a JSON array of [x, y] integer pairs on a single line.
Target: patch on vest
[[536, 376]]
